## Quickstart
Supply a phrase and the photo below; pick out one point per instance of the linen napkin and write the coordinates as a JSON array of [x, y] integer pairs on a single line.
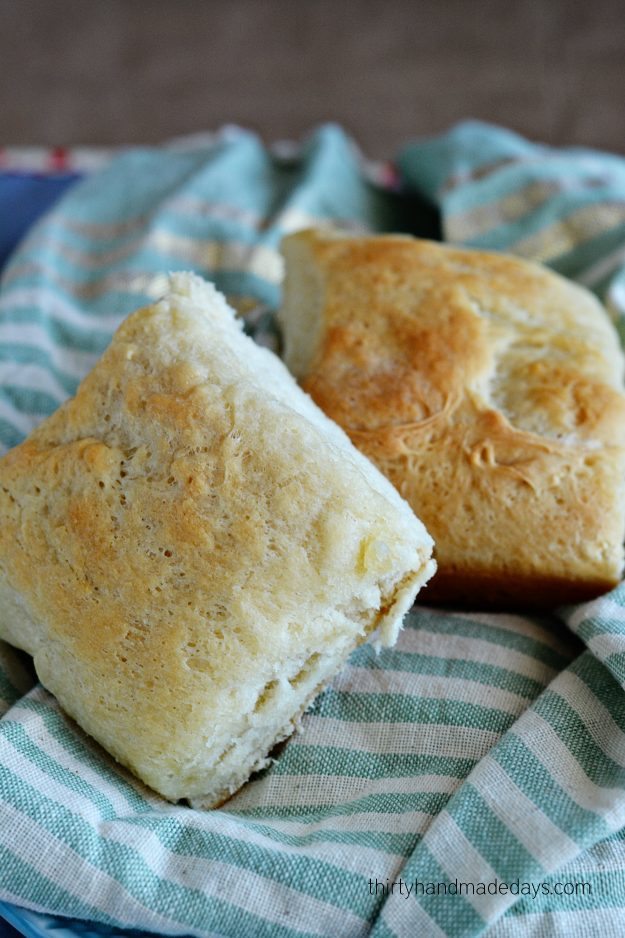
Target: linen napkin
[[470, 780]]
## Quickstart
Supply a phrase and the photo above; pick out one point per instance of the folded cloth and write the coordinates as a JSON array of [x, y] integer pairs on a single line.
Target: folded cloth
[[470, 780]]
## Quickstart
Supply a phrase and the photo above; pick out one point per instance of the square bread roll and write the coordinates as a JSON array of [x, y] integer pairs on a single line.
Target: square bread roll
[[190, 549], [488, 389]]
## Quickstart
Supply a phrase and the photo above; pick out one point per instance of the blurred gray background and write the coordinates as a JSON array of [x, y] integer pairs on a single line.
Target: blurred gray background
[[125, 71]]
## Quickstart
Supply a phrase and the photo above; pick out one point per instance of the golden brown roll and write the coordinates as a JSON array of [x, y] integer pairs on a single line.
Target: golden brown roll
[[488, 389]]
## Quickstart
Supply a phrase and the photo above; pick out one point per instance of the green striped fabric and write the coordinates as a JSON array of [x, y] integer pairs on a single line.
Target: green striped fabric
[[468, 781]]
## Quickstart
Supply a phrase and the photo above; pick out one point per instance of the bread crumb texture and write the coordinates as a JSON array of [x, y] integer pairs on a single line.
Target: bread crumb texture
[[189, 548], [489, 390]]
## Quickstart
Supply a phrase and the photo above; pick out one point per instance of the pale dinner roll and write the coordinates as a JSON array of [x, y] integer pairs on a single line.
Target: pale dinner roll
[[190, 549], [490, 392]]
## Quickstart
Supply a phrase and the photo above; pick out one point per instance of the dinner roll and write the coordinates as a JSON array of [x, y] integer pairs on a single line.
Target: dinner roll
[[190, 549], [488, 389]]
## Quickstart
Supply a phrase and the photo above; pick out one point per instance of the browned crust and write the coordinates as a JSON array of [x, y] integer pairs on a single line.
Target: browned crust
[[509, 593], [433, 360]]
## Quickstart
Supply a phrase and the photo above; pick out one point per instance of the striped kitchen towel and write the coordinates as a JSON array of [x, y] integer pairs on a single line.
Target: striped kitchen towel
[[469, 780]]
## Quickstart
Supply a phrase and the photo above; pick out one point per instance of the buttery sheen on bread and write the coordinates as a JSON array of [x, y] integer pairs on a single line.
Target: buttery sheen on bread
[[488, 389], [190, 549]]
